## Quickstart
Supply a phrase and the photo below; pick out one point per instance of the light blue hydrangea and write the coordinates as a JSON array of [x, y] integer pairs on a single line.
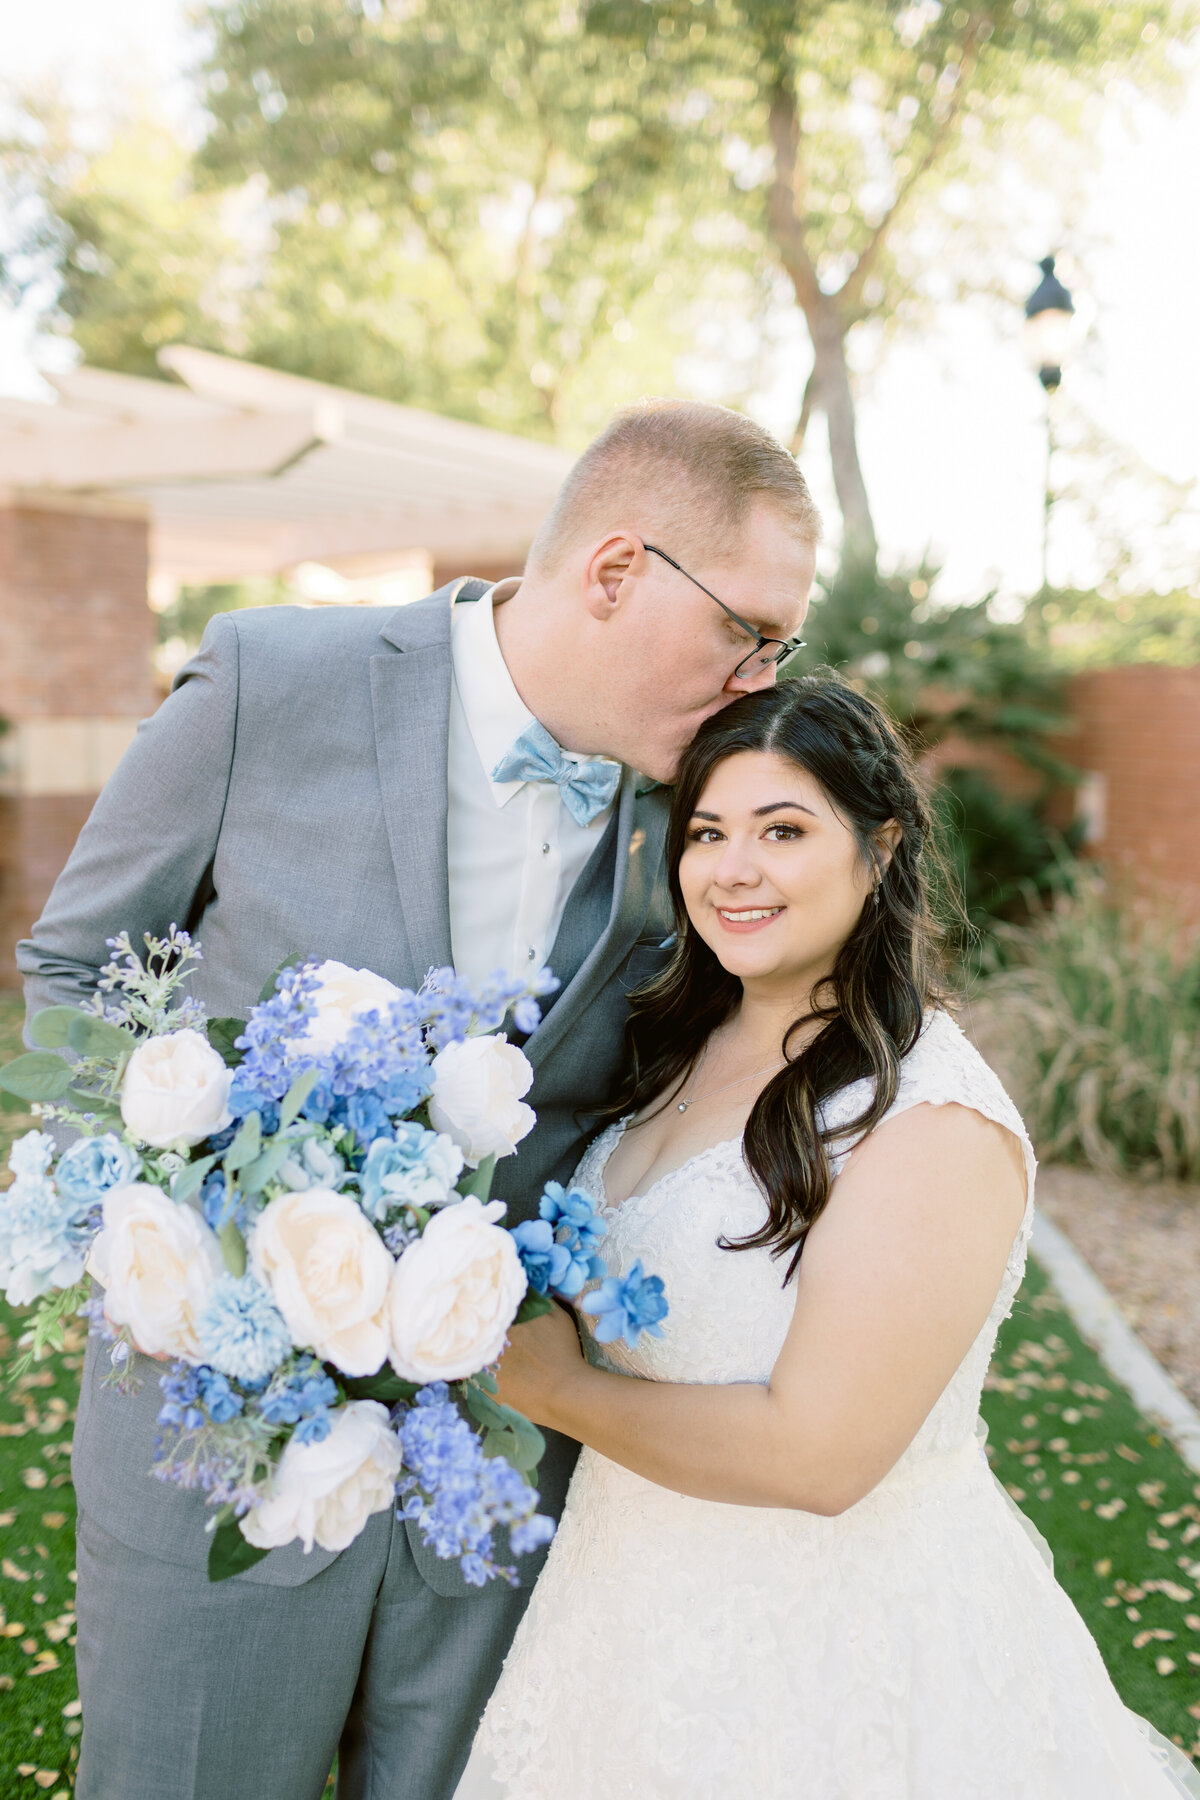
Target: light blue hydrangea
[[414, 1167], [240, 1330], [42, 1244], [92, 1166], [313, 1163]]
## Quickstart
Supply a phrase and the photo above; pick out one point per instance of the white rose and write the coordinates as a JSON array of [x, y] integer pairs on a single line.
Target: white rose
[[325, 1493], [454, 1294], [328, 1272], [476, 1101], [157, 1263], [341, 992], [175, 1090]]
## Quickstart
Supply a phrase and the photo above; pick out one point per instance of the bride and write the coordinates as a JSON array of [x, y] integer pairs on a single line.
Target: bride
[[784, 1568]]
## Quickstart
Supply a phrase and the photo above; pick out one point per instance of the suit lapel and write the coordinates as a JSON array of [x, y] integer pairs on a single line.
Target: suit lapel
[[640, 829], [410, 701]]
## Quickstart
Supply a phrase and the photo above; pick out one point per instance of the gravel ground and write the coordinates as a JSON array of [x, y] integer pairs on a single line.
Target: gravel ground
[[1143, 1241]]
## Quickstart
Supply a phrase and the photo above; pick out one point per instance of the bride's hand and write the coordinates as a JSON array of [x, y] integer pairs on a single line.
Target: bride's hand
[[541, 1357]]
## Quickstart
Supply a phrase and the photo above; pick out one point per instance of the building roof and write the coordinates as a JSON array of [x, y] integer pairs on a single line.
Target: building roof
[[246, 470]]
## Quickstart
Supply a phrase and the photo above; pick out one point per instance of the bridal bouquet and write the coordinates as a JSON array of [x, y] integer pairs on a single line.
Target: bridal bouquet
[[291, 1211]]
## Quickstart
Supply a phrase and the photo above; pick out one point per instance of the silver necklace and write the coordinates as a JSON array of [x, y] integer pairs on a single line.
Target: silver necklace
[[682, 1105]]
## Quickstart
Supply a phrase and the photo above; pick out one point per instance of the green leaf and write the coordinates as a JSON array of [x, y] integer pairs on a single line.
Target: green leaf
[[256, 1175], [50, 1027], [295, 1097], [189, 1181], [10, 1104], [91, 1036], [511, 1434], [479, 1181], [532, 1307], [486, 1380], [233, 1248], [229, 1553], [221, 1035], [40, 1075], [103, 1110], [385, 1386], [289, 962], [246, 1144]]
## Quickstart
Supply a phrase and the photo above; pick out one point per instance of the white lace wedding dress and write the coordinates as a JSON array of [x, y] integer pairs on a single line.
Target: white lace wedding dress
[[915, 1648]]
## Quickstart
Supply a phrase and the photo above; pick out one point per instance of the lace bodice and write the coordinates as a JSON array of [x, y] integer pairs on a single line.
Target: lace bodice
[[730, 1312]]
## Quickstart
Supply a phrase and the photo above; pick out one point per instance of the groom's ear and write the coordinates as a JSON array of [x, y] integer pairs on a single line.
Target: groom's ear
[[609, 565]]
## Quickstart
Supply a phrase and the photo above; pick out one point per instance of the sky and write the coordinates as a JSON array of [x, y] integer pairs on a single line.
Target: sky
[[952, 426]]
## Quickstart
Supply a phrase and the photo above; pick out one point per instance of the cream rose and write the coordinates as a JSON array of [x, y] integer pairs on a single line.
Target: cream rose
[[157, 1263], [175, 1090], [476, 1101], [454, 1294], [325, 1493], [340, 993], [328, 1272]]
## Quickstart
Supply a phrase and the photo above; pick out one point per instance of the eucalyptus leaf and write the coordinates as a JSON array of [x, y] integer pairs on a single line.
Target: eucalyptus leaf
[[91, 1036], [50, 1028], [520, 1441], [289, 962], [229, 1553], [221, 1035], [39, 1075], [255, 1175], [479, 1182], [233, 1248], [385, 1387], [189, 1181], [246, 1145], [532, 1307], [295, 1097]]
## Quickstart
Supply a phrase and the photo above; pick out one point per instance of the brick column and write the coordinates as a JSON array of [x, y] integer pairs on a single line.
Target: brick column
[[1138, 743], [76, 641]]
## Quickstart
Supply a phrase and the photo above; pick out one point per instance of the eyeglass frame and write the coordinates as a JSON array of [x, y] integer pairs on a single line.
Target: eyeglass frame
[[787, 646]]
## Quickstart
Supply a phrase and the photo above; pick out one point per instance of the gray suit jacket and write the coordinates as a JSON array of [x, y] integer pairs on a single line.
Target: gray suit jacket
[[290, 796]]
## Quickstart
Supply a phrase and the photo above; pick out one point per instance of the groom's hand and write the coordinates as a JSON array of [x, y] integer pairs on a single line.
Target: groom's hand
[[540, 1361]]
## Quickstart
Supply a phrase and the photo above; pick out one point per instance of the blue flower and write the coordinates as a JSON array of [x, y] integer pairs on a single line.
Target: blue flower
[[43, 1237], [214, 1204], [240, 1330], [313, 1163], [577, 1226], [300, 1395], [626, 1305], [196, 1397], [414, 1167], [91, 1166], [546, 1264]]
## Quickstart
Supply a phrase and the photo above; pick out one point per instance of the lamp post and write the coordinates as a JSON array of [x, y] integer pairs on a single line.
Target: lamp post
[[1048, 338]]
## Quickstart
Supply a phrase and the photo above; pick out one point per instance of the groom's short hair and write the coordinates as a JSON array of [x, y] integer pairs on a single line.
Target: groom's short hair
[[682, 470]]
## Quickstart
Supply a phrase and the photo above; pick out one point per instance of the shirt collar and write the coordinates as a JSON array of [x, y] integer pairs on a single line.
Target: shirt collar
[[495, 713]]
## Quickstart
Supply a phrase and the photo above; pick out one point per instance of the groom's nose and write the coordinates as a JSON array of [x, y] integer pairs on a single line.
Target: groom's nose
[[751, 683]]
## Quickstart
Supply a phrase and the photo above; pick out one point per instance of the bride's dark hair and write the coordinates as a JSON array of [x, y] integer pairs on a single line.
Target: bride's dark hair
[[886, 974]]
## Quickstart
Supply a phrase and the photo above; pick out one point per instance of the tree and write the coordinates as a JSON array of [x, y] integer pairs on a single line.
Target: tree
[[837, 121]]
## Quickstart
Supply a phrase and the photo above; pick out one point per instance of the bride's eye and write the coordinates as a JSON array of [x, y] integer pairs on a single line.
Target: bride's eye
[[704, 834], [783, 834]]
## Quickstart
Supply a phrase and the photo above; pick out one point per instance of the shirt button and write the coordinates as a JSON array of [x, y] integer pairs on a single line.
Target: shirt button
[[545, 849], [533, 956]]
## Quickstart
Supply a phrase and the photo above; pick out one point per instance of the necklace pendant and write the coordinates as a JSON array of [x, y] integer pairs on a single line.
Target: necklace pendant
[[683, 1106]]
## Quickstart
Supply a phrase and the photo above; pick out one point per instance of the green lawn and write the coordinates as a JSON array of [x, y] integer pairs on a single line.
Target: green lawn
[[1119, 1508]]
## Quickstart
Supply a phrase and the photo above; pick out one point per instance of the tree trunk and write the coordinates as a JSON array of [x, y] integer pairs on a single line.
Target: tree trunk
[[860, 547]]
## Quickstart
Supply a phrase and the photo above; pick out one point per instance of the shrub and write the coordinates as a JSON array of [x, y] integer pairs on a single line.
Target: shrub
[[1095, 1009]]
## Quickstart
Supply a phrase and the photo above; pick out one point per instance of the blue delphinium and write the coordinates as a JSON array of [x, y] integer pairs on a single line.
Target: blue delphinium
[[413, 1167], [453, 1007], [241, 1331], [301, 1395], [43, 1234], [195, 1397], [91, 1166], [457, 1495], [546, 1264], [578, 1228], [625, 1306]]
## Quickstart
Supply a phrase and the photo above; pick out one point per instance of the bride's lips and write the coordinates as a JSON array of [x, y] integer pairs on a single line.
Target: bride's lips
[[744, 919]]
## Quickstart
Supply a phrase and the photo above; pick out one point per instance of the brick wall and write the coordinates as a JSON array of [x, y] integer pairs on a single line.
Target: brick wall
[[1138, 738], [76, 640]]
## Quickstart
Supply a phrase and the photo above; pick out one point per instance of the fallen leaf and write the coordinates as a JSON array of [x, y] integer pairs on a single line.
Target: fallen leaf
[[46, 1778], [54, 1521], [1173, 1591], [7, 1518], [29, 1645], [1103, 1567], [10, 1568], [13, 1630], [72, 1709], [26, 1768], [1164, 1665], [45, 1662], [34, 1478]]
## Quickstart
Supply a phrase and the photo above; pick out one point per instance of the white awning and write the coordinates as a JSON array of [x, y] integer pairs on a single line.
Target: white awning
[[248, 471]]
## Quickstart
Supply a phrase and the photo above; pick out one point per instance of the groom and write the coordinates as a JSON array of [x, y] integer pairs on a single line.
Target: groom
[[470, 779]]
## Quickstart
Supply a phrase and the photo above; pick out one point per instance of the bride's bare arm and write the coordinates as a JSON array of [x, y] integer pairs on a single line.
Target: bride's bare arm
[[896, 1280]]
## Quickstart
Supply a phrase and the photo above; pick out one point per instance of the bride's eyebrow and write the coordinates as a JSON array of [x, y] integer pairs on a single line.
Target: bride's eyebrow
[[761, 812]]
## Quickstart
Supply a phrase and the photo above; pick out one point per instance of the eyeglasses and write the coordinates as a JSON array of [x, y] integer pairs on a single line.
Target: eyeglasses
[[766, 652]]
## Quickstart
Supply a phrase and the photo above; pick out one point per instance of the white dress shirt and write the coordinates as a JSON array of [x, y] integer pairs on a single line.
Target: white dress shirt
[[513, 849]]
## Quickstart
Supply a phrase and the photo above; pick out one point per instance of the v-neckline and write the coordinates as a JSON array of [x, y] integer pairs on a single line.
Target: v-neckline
[[610, 1208]]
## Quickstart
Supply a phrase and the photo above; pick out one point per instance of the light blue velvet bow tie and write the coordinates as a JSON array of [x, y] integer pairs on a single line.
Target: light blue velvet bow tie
[[586, 787]]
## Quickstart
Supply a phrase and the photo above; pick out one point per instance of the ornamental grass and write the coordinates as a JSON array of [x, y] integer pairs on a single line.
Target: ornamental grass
[[1094, 1010]]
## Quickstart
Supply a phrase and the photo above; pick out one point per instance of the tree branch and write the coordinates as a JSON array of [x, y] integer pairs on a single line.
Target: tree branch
[[783, 215]]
